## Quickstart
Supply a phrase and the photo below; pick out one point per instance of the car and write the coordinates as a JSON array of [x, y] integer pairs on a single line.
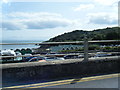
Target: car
[[7, 53], [53, 58], [26, 59], [80, 56], [18, 58], [37, 59], [70, 56], [44, 58], [102, 54]]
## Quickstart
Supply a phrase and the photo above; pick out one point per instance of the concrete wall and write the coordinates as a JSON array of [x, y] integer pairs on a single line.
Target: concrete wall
[[57, 69]]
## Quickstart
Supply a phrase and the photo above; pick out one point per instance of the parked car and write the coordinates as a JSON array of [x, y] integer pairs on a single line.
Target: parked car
[[80, 56], [53, 58], [18, 58], [26, 59], [7, 53], [70, 56], [102, 54], [37, 59]]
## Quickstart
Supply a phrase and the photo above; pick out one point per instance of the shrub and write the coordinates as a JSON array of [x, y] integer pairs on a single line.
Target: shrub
[[94, 47]]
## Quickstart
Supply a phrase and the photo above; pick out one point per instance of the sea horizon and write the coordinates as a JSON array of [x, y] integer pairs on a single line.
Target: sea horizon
[[3, 47]]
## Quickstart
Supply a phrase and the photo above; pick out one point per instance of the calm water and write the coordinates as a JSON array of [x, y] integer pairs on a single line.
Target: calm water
[[2, 47]]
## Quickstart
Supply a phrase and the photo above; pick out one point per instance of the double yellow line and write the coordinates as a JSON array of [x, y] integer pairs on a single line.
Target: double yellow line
[[63, 82]]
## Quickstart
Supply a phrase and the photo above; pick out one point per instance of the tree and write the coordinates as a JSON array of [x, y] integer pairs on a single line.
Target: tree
[[23, 51], [112, 35], [17, 50], [28, 50], [99, 34], [94, 47]]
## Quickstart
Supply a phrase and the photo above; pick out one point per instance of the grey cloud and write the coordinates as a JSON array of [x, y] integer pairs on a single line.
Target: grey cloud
[[40, 20], [10, 25], [103, 20], [45, 24], [35, 24]]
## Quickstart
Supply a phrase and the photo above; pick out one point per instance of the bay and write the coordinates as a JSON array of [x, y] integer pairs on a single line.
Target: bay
[[3, 47]]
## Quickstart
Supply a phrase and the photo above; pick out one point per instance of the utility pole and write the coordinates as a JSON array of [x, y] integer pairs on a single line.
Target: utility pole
[[85, 49]]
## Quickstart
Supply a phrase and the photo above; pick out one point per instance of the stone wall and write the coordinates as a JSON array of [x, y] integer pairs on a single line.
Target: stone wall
[[58, 69]]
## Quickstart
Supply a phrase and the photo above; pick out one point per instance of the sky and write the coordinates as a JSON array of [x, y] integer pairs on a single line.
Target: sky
[[42, 20]]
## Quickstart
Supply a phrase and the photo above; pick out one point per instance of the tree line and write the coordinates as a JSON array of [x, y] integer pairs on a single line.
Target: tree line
[[109, 33]]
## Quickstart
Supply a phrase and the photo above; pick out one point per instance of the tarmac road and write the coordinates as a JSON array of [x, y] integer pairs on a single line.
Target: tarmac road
[[103, 81]]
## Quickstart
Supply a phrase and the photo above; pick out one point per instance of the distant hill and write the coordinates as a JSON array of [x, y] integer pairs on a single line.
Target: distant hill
[[99, 34]]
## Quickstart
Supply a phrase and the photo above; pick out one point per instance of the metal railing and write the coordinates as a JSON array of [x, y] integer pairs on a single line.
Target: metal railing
[[61, 43], [85, 43]]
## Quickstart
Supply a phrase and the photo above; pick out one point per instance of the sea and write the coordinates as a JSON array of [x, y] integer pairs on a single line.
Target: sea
[[14, 47]]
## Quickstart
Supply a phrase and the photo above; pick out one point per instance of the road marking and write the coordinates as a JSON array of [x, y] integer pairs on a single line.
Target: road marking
[[69, 81]]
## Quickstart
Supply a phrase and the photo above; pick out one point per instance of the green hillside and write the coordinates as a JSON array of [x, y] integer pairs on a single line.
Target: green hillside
[[99, 34]]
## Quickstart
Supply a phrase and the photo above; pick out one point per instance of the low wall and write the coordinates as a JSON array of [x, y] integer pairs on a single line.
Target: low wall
[[58, 69]]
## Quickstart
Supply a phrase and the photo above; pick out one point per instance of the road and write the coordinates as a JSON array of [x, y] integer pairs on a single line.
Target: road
[[103, 81]]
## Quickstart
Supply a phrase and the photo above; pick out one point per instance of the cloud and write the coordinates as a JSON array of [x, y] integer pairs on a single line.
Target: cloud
[[5, 1], [106, 2], [84, 7], [8, 2], [20, 20], [47, 23], [12, 25], [103, 18], [32, 15]]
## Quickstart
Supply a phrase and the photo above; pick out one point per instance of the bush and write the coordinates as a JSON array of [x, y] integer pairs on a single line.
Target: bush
[[94, 47], [29, 51], [23, 51], [17, 50]]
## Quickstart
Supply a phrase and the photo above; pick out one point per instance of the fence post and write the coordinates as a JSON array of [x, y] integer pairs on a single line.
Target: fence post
[[85, 49]]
